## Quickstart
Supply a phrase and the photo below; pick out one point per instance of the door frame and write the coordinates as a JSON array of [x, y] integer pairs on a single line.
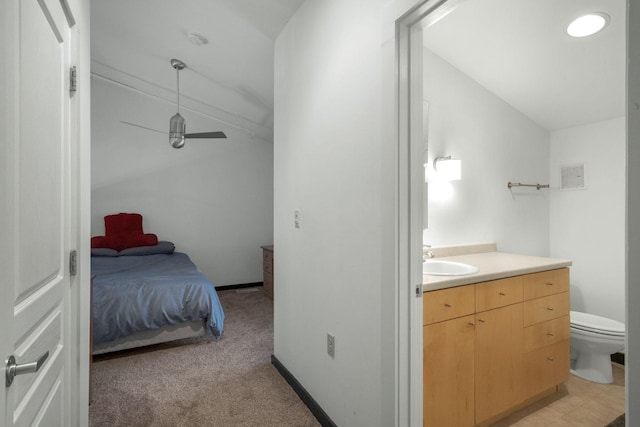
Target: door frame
[[411, 202], [632, 285], [79, 336], [409, 116]]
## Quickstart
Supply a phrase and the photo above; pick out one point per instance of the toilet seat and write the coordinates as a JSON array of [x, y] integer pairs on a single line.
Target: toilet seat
[[596, 332], [596, 324]]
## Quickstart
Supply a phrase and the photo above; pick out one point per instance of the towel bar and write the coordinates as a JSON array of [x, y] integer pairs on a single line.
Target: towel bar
[[517, 184]]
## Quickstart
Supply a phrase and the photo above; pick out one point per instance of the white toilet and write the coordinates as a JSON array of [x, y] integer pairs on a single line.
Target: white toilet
[[593, 340]]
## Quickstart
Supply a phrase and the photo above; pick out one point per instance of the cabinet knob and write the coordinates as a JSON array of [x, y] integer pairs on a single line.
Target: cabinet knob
[[447, 305], [472, 324], [550, 359], [550, 308], [550, 334], [549, 284], [502, 294], [480, 320]]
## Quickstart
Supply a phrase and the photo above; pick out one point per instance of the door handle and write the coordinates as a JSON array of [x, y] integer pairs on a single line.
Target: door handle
[[14, 369]]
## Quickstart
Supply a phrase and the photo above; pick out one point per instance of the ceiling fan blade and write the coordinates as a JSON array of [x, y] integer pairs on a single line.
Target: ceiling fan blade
[[143, 127], [205, 135]]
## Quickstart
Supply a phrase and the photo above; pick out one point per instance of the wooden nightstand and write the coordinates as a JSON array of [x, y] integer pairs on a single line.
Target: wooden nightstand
[[267, 270]]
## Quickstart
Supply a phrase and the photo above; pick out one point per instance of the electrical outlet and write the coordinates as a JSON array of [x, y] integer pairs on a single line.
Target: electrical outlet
[[296, 218], [331, 345]]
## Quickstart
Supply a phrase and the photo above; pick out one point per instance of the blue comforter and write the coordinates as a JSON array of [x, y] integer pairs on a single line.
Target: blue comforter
[[136, 293]]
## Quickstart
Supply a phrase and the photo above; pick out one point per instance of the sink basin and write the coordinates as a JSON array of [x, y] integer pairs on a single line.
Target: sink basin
[[437, 267]]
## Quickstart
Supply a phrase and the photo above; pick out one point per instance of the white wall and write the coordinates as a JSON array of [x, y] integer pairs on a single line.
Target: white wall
[[587, 226], [326, 282], [212, 198], [334, 156], [496, 144]]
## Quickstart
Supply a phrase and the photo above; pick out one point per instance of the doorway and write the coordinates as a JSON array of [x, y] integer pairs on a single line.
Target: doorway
[[410, 111]]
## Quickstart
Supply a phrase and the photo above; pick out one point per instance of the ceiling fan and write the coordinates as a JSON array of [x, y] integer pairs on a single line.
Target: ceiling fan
[[177, 124]]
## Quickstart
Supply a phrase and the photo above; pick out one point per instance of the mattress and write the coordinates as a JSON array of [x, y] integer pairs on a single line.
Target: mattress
[[132, 294]]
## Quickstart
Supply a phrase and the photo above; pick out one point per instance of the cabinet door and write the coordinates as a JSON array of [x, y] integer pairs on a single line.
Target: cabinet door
[[499, 361], [448, 373]]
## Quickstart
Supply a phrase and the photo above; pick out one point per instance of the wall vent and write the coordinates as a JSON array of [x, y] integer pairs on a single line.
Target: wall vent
[[573, 177]]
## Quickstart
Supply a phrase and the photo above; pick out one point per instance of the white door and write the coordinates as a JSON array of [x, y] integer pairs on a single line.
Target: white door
[[38, 220]]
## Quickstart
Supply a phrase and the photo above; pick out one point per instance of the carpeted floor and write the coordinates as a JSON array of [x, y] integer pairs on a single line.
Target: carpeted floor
[[201, 382]]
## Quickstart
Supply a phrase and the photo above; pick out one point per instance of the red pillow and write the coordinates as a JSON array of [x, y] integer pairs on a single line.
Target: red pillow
[[124, 241], [122, 231], [99, 242], [123, 223]]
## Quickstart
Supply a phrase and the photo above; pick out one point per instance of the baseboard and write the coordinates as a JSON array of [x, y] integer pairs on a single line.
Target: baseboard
[[239, 286], [618, 358], [313, 406]]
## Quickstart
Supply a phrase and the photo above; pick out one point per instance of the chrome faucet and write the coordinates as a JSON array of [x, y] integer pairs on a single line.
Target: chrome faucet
[[427, 253]]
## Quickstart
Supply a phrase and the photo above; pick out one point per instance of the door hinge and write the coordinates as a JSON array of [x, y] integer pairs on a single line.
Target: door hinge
[[419, 291], [73, 263], [73, 79]]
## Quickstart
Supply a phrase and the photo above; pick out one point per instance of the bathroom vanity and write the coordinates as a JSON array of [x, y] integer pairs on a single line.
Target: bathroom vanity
[[496, 340]]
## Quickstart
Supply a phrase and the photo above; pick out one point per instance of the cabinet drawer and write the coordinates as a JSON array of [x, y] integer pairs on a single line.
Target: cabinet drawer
[[448, 303], [267, 267], [546, 308], [545, 283], [268, 285], [498, 293], [546, 367], [546, 333]]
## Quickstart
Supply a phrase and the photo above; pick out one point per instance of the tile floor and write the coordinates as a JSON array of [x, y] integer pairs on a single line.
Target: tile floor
[[579, 403]]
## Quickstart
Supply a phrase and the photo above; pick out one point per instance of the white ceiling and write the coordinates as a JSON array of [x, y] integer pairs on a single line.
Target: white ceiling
[[519, 50], [132, 43]]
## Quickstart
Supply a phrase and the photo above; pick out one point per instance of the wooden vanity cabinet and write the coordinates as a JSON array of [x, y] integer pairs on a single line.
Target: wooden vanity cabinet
[[489, 347]]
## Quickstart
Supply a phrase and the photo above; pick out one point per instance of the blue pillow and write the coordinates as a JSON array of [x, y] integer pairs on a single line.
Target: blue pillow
[[162, 247], [103, 252]]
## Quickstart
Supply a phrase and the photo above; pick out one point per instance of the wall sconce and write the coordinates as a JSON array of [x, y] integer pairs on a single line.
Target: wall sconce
[[447, 168]]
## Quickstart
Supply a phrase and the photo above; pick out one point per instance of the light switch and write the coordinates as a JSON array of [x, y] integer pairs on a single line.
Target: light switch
[[296, 218]]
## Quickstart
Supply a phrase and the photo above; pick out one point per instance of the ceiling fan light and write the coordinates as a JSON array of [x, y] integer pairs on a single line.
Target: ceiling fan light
[[176, 142], [587, 25]]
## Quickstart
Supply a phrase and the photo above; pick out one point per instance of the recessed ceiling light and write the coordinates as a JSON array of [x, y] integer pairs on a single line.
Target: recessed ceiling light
[[588, 24]]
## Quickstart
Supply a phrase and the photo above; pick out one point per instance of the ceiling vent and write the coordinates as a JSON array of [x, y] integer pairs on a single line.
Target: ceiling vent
[[573, 177]]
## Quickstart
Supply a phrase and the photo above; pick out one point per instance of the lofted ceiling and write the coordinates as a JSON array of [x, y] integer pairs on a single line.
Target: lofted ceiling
[[520, 51], [229, 78]]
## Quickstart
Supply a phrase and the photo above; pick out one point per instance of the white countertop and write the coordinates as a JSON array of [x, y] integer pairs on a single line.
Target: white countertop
[[492, 266]]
